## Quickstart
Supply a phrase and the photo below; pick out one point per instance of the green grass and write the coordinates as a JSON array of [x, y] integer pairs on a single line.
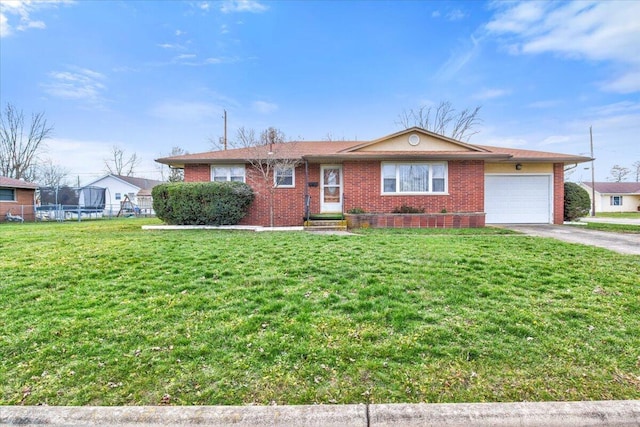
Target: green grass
[[616, 228], [103, 313], [618, 214]]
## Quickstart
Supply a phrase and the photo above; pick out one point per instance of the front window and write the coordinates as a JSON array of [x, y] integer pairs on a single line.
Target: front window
[[227, 173], [7, 194], [118, 196], [415, 178], [284, 176], [616, 200]]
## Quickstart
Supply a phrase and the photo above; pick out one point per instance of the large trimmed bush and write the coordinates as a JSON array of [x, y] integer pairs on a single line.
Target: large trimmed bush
[[577, 203], [202, 203]]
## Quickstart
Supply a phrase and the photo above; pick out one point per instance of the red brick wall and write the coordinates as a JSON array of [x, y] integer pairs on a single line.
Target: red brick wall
[[23, 205], [361, 190], [197, 173], [288, 205], [466, 189], [558, 193]]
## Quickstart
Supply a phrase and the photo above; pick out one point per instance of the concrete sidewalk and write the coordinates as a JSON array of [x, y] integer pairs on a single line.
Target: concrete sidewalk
[[627, 221], [526, 414]]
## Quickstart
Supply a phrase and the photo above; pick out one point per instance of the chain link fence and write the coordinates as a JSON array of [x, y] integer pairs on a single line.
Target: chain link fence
[[59, 213]]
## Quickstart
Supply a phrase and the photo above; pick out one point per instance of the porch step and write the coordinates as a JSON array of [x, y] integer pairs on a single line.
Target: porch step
[[326, 216], [325, 224]]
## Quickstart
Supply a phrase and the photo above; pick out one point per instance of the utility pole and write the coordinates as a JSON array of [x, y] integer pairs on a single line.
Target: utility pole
[[593, 176], [225, 129]]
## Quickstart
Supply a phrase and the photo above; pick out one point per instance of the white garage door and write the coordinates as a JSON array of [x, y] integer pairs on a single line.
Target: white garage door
[[517, 199]]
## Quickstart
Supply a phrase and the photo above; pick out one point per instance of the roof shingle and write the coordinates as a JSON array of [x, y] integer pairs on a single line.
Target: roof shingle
[[344, 150], [16, 183], [615, 187]]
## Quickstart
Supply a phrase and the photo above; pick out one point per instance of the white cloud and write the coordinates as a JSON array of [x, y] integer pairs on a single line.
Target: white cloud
[[252, 6], [264, 107], [549, 103], [21, 10], [625, 83], [5, 29], [596, 31], [186, 111], [435, 14], [171, 46], [77, 84], [491, 94], [459, 59], [184, 56], [455, 15], [40, 25], [556, 139], [518, 18]]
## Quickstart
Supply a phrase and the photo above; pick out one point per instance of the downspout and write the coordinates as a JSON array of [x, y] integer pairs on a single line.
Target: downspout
[[307, 198]]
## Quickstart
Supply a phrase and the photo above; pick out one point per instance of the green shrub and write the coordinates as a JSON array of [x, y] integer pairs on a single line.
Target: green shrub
[[408, 209], [202, 203], [356, 211], [576, 201]]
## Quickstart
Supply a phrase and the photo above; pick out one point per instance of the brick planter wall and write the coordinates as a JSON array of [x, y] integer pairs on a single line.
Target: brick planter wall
[[427, 220]]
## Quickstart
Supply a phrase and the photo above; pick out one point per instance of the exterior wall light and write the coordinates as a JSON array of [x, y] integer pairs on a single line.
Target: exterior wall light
[[518, 166]]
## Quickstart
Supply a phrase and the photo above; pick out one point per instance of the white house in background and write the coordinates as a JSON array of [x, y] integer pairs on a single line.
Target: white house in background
[[121, 188], [615, 196]]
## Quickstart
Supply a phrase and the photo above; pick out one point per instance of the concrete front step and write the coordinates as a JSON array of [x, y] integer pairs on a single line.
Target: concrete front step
[[325, 225]]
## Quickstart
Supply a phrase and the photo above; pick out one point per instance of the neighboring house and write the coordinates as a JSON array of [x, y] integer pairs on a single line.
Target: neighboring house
[[17, 197], [469, 184], [119, 188], [614, 196]]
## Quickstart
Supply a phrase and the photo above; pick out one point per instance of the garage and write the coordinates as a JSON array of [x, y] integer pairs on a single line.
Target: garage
[[518, 199]]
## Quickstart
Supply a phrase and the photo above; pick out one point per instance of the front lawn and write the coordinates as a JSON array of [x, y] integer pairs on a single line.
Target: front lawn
[[104, 313], [616, 228], [617, 214]]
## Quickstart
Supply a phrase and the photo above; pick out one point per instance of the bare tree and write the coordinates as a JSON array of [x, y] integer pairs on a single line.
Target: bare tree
[[176, 174], [618, 173], [51, 174], [636, 170], [119, 164], [19, 147], [268, 155], [443, 120]]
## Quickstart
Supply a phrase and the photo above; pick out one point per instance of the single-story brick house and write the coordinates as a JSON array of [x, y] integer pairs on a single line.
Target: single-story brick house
[[614, 196], [17, 197], [457, 184]]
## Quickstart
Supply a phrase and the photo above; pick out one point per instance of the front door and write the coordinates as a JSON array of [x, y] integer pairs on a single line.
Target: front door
[[331, 188]]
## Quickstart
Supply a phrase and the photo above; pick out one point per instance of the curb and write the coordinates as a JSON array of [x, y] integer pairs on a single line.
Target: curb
[[620, 413], [256, 228]]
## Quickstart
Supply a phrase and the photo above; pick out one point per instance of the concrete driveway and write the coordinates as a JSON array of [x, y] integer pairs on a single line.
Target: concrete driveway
[[618, 242]]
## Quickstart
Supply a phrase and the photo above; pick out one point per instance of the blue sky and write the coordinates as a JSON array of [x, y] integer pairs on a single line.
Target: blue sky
[[150, 75]]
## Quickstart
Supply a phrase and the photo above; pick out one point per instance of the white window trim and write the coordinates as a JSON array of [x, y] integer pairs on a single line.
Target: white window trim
[[415, 193], [293, 177], [228, 167], [612, 198]]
